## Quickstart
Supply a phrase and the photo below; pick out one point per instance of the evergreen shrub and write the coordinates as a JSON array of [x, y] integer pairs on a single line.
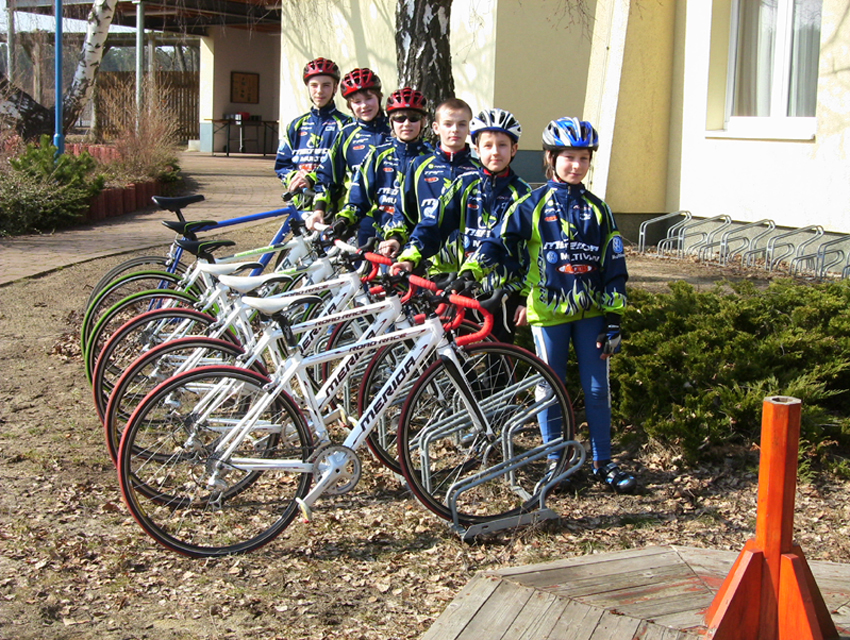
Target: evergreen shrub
[[697, 366], [39, 193]]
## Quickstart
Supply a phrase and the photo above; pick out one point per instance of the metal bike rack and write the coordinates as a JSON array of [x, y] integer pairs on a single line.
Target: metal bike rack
[[671, 232], [541, 512], [459, 427], [686, 230], [779, 250], [743, 242], [704, 248], [822, 263]]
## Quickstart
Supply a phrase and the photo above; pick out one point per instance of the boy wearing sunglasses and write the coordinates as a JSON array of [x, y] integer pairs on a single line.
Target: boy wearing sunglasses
[[376, 187], [308, 138], [428, 176], [361, 89]]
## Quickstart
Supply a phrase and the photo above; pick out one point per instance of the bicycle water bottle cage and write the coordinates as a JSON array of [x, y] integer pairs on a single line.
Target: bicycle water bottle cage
[[286, 329]]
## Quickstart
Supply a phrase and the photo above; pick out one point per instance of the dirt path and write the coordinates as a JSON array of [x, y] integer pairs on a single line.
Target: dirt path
[[373, 563]]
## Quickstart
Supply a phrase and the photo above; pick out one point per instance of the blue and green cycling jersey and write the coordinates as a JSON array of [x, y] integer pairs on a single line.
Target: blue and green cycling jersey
[[465, 215], [377, 183], [332, 179], [576, 263], [307, 139], [424, 182]]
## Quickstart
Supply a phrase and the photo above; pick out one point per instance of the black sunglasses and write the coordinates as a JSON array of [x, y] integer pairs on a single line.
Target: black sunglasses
[[411, 117]]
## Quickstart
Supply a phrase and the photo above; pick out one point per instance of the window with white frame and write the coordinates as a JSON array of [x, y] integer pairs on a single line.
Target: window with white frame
[[773, 75]]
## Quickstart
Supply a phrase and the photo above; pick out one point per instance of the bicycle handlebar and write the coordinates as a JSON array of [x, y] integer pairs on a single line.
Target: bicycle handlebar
[[469, 303]]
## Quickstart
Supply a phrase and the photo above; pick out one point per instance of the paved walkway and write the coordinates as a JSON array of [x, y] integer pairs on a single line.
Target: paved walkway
[[235, 185]]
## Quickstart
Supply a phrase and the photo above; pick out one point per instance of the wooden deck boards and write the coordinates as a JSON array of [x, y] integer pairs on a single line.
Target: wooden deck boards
[[658, 593]]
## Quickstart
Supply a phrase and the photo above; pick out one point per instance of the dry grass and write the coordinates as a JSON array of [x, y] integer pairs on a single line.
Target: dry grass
[[149, 150]]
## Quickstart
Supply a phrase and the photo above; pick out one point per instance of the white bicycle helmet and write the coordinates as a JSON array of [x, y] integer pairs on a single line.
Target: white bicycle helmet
[[495, 120]]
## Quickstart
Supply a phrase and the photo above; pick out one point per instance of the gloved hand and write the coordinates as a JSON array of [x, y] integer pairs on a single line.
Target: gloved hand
[[341, 228], [610, 340], [463, 283]]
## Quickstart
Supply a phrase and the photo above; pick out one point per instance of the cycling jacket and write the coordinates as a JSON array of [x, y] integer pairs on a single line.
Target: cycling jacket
[[575, 257], [307, 140], [332, 178], [376, 185], [424, 182], [469, 211]]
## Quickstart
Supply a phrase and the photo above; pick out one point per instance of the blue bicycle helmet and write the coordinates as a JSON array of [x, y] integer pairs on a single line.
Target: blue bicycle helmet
[[572, 133], [495, 120]]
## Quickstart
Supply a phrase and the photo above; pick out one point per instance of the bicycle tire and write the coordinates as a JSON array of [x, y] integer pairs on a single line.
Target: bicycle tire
[[125, 310], [141, 334], [440, 445], [382, 438], [154, 367], [165, 457], [118, 290], [139, 263]]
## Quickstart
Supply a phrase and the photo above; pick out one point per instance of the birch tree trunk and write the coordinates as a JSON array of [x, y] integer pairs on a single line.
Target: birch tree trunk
[[31, 119], [423, 50], [80, 91]]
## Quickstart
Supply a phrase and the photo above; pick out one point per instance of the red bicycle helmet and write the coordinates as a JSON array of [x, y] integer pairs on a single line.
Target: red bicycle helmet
[[359, 80], [321, 67], [407, 98]]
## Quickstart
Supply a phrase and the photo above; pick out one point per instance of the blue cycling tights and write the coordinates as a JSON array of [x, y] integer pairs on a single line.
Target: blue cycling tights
[[552, 344]]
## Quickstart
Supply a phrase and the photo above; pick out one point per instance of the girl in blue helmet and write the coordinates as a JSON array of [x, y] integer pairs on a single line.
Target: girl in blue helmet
[[575, 282]]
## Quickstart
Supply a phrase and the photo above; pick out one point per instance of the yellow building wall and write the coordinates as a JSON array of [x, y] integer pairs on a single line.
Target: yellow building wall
[[639, 142], [361, 33], [541, 68], [791, 181]]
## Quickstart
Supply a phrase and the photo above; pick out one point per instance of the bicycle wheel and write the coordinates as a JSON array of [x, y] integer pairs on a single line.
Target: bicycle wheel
[[154, 367], [382, 439], [140, 263], [139, 335], [443, 449], [179, 488], [120, 289], [125, 310]]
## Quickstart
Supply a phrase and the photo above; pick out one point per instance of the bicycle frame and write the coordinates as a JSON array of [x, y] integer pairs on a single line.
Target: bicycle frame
[[428, 337], [175, 252]]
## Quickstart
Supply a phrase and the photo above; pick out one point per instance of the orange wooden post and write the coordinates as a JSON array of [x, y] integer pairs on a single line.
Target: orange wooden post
[[770, 593]]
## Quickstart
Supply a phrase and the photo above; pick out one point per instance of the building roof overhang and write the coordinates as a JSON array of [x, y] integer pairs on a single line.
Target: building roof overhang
[[190, 17]]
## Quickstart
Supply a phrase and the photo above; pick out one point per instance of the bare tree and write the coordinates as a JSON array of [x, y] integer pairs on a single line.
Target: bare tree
[[423, 49], [29, 117], [423, 42]]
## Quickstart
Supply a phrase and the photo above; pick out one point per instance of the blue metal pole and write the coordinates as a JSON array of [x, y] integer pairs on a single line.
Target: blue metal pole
[[58, 136]]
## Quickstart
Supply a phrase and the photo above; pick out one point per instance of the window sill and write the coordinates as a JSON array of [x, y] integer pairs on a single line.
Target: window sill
[[791, 129]]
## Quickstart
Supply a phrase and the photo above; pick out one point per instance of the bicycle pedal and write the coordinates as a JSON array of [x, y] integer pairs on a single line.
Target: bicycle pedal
[[306, 511]]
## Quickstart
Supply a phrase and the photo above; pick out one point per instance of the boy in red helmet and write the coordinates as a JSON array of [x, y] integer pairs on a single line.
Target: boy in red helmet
[[376, 187], [361, 89], [306, 140]]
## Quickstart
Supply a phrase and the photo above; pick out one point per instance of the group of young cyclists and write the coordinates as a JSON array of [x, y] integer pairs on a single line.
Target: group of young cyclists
[[554, 250]]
